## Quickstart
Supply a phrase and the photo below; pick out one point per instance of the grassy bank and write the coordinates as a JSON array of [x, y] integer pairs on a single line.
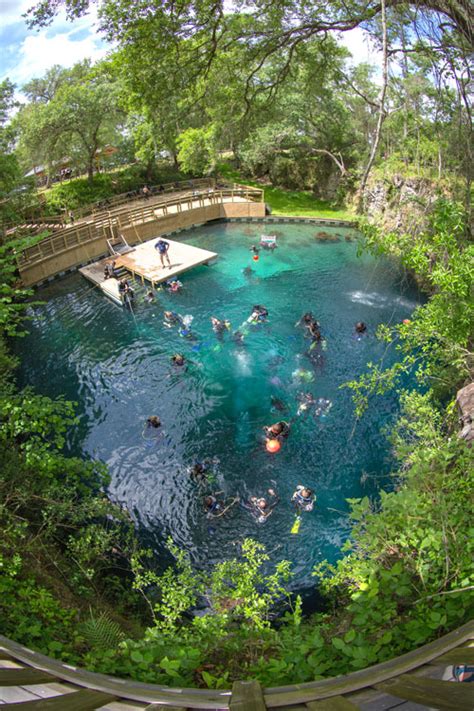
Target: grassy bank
[[291, 203]]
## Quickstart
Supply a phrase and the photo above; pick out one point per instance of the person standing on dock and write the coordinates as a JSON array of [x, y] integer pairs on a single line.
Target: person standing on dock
[[162, 246]]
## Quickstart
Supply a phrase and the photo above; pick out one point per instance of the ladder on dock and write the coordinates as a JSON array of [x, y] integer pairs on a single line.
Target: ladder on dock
[[118, 245]]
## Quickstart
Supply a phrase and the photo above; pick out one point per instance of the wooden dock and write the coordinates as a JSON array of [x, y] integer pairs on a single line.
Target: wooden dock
[[143, 263]]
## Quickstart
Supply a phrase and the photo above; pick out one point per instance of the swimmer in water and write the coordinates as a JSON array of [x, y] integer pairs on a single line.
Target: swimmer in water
[[178, 359], [174, 285], [153, 422], [306, 401], [313, 331], [150, 297], [278, 404], [306, 320], [322, 407], [280, 430], [259, 314], [303, 498], [215, 508], [261, 508], [219, 325], [238, 337], [302, 375], [172, 319], [360, 330], [198, 472]]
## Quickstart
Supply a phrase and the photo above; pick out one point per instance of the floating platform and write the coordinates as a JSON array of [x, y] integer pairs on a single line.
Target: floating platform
[[143, 262]]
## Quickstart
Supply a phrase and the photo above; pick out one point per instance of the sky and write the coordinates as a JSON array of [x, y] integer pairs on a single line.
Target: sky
[[27, 54]]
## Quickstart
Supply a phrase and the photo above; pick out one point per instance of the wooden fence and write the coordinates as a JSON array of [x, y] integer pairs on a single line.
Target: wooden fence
[[35, 681], [108, 224]]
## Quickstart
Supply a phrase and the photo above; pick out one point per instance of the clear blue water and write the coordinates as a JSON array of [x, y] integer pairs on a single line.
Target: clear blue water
[[116, 365]]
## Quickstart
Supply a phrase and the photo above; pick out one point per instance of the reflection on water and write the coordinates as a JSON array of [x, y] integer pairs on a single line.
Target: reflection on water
[[117, 367]]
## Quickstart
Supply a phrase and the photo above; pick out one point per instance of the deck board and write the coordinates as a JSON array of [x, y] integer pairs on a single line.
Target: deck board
[[144, 262]]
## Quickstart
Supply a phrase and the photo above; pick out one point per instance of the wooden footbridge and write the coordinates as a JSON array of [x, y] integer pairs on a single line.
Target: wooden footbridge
[[424, 678], [132, 224]]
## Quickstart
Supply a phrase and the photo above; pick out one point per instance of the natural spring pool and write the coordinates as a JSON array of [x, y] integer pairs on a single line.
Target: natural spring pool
[[116, 365]]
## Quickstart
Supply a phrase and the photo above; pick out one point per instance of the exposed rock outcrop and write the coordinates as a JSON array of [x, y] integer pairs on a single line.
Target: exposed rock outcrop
[[465, 403], [399, 203]]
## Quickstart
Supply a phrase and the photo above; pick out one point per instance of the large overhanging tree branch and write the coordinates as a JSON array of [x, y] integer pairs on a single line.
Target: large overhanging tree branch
[[186, 17]]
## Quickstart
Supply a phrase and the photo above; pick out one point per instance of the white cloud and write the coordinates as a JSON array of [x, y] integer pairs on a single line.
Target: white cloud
[[12, 10], [35, 51], [38, 53], [361, 46]]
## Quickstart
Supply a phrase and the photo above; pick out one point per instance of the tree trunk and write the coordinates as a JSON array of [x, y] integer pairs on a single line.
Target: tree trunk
[[381, 103]]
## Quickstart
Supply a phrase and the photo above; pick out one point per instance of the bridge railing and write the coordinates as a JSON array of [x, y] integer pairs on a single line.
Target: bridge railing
[[415, 676], [105, 224]]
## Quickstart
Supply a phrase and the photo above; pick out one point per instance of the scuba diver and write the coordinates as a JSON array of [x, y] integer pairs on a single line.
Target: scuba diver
[[219, 325], [203, 471], [126, 292], [259, 314], [178, 359], [322, 407], [303, 498], [278, 404], [172, 319], [280, 430], [174, 285], [215, 508], [260, 508], [360, 330], [306, 320], [306, 402]]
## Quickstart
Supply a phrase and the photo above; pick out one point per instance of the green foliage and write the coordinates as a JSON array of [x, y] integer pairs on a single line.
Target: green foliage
[[101, 632], [197, 152], [435, 344]]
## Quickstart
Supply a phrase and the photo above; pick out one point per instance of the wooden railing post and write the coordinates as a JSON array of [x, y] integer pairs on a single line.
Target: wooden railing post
[[247, 696]]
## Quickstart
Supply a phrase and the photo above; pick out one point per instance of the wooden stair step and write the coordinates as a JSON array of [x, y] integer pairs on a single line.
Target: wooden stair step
[[23, 676], [460, 655], [444, 695], [335, 703], [84, 700]]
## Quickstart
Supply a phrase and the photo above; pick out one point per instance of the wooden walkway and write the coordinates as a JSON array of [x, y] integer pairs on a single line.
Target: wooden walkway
[[418, 680]]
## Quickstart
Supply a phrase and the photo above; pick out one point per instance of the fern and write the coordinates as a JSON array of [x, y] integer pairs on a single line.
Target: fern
[[102, 632]]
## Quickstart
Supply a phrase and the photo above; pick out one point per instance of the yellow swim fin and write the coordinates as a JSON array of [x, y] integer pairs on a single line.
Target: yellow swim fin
[[296, 526]]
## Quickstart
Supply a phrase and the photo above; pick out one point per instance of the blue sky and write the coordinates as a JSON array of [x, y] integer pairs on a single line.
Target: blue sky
[[25, 54]]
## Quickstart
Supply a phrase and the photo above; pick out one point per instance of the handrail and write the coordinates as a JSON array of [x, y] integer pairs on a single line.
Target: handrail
[[274, 697], [115, 200], [70, 237]]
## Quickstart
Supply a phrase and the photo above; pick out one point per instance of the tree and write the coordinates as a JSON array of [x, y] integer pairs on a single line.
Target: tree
[[72, 113], [9, 170]]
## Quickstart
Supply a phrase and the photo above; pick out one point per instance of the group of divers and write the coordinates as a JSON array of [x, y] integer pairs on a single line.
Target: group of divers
[[203, 472]]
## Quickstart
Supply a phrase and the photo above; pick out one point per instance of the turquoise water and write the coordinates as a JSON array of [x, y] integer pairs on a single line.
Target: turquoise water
[[116, 365]]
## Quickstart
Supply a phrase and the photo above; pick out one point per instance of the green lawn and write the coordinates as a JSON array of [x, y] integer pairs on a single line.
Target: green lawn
[[289, 203]]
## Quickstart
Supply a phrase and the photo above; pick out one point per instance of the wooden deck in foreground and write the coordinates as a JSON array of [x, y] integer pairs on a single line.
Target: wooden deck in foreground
[[415, 681], [143, 262]]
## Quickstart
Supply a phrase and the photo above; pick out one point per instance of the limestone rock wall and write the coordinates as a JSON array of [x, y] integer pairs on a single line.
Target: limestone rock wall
[[465, 403], [399, 203]]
